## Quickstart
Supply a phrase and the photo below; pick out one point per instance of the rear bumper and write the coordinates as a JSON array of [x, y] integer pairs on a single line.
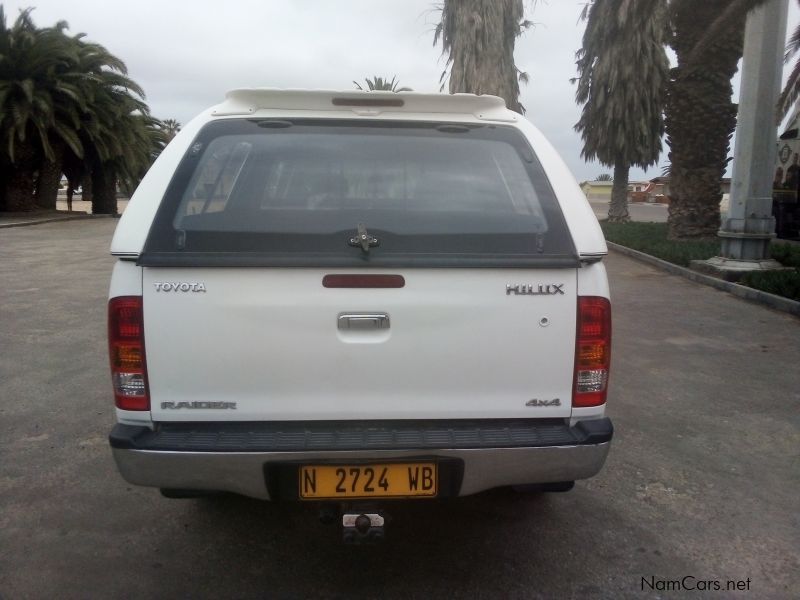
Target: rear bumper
[[253, 459]]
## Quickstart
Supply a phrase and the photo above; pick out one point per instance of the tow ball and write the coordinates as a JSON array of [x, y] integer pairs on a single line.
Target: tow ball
[[360, 528]]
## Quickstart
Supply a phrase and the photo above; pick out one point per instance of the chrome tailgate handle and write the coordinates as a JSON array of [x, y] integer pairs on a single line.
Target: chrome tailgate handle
[[363, 321]]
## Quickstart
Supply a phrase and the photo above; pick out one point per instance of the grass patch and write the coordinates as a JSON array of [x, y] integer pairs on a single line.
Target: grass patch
[[651, 238]]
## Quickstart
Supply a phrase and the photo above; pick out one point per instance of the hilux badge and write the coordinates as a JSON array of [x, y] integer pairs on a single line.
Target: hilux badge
[[522, 289]]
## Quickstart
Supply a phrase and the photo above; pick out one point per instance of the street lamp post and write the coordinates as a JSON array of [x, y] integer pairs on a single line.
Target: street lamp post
[[749, 226]]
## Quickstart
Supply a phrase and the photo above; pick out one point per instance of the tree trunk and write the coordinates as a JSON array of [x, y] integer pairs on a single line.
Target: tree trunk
[[618, 209], [76, 170], [482, 37], [19, 195], [104, 186], [87, 192], [19, 187], [4, 173], [700, 118], [49, 178]]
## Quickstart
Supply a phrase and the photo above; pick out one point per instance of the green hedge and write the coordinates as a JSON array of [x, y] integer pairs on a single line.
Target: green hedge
[[780, 283], [651, 238]]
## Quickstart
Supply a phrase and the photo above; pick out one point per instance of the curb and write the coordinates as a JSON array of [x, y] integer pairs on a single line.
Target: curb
[[53, 220], [740, 291]]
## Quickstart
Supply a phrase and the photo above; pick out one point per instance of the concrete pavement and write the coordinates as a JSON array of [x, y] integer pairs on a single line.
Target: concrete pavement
[[80, 210], [701, 482]]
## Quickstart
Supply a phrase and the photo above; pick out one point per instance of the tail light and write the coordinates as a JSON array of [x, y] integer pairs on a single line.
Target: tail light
[[592, 351], [126, 350]]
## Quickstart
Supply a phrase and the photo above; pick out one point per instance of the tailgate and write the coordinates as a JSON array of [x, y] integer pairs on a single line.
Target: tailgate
[[275, 344]]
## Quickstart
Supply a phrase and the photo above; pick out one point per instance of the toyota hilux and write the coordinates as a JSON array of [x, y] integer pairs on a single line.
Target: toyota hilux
[[348, 297]]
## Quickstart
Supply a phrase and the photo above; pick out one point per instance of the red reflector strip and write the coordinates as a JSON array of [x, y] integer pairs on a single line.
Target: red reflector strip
[[133, 402], [363, 281]]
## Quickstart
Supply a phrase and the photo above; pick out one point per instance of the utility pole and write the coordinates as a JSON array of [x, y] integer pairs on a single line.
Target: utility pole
[[749, 226]]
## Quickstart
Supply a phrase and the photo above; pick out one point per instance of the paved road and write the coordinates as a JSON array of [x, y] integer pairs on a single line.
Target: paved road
[[702, 480], [656, 213]]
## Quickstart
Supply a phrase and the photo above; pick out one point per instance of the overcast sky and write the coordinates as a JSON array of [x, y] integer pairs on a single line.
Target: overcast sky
[[186, 54]]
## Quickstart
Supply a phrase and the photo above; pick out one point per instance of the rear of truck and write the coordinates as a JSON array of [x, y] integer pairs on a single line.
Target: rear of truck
[[343, 297]]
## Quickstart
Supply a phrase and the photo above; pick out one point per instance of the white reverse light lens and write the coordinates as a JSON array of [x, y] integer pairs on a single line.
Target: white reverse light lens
[[592, 381], [129, 384]]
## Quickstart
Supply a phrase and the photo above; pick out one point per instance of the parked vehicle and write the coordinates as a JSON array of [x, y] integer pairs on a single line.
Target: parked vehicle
[[345, 296]]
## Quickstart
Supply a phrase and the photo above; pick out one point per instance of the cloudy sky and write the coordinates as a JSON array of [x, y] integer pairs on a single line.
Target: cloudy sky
[[187, 53]]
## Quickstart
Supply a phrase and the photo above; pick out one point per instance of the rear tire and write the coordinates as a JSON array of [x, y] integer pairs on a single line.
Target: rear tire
[[535, 488]]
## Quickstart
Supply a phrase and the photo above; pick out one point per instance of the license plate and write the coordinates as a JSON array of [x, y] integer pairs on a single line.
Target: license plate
[[368, 481]]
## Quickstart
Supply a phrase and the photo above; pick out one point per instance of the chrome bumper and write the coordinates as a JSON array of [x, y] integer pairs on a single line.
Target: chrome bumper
[[244, 472]]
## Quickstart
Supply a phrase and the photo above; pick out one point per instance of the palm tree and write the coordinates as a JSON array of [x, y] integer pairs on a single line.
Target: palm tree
[[171, 127], [700, 114], [115, 129], [38, 107], [120, 137], [622, 73], [478, 37], [381, 84], [67, 105]]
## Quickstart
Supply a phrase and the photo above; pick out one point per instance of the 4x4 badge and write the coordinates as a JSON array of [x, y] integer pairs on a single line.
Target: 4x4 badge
[[521, 289], [536, 402]]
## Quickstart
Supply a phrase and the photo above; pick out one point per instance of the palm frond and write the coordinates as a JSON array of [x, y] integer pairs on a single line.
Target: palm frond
[[70, 137], [793, 44], [790, 93], [622, 76]]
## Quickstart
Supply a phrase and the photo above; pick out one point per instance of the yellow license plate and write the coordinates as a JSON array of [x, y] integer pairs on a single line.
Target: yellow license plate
[[368, 481]]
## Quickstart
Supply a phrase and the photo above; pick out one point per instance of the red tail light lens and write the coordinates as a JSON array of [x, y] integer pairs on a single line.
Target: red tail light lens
[[126, 352], [592, 351]]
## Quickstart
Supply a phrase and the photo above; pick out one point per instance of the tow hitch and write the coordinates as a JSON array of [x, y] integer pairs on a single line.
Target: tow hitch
[[360, 524], [358, 528]]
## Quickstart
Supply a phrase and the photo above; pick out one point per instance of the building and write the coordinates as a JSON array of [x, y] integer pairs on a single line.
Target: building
[[597, 190], [657, 190]]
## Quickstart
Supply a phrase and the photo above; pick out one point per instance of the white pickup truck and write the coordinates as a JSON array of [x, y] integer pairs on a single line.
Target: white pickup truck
[[347, 296]]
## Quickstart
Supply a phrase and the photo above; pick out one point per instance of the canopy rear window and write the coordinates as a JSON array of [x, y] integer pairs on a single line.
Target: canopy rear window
[[303, 192]]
